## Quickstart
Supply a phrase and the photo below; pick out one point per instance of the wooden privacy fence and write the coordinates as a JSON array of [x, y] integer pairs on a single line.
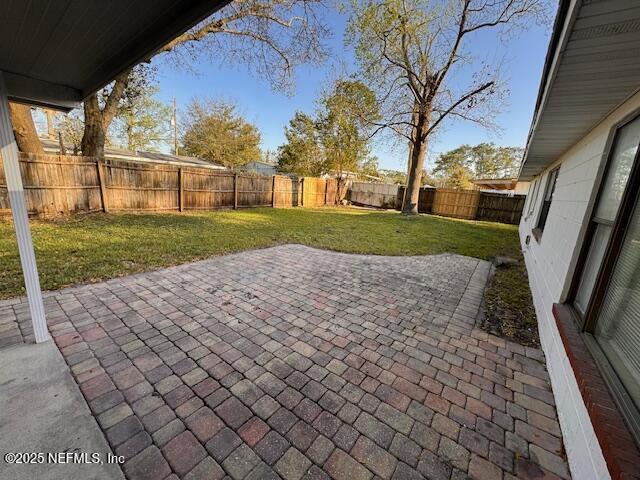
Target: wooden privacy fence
[[314, 192], [425, 200], [497, 207], [449, 202], [57, 184], [468, 204], [375, 194]]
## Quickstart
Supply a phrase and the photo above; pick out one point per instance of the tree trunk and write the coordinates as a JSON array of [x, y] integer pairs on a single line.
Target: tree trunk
[[51, 129], [97, 120], [93, 138], [417, 153], [24, 129], [341, 183]]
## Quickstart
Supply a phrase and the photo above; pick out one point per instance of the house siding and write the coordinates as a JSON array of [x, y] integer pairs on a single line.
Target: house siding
[[550, 265]]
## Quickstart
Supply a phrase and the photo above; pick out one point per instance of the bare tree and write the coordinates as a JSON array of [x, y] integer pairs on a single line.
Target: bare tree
[[271, 37], [410, 52]]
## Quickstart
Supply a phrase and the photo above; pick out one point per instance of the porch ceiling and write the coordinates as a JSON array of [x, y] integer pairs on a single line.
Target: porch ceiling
[[592, 66], [57, 52]]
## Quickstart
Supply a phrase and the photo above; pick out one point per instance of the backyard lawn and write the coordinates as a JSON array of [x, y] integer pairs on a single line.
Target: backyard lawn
[[95, 247]]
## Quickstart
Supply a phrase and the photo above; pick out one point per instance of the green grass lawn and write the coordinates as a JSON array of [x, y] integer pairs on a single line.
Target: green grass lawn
[[94, 247]]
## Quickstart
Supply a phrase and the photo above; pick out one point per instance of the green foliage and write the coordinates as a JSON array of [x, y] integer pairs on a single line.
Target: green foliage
[[486, 160], [336, 139], [491, 161], [400, 178], [142, 122], [370, 167], [301, 155], [394, 176], [454, 167], [215, 131], [342, 125]]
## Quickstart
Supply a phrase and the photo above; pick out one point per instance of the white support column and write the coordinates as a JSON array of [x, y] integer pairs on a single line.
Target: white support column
[[9, 152]]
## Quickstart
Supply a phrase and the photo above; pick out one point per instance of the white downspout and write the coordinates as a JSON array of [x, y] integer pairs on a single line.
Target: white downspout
[[9, 153]]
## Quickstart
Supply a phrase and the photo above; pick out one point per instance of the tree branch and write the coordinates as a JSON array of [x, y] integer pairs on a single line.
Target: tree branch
[[111, 105], [457, 103]]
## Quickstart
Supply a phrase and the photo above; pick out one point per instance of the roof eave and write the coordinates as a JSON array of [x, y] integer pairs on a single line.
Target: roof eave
[[43, 94], [551, 60]]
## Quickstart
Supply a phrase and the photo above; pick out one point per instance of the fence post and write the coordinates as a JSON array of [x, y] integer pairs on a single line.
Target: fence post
[[180, 190], [301, 201], [326, 187], [235, 191], [101, 182], [273, 193]]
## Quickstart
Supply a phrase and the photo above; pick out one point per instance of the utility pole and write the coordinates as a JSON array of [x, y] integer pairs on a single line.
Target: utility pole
[[174, 121]]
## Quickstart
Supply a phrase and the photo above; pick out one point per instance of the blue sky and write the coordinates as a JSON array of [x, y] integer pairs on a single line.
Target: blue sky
[[271, 111]]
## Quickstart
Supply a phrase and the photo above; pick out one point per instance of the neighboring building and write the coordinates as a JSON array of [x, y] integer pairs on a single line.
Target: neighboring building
[[260, 168], [53, 147], [510, 186], [580, 233]]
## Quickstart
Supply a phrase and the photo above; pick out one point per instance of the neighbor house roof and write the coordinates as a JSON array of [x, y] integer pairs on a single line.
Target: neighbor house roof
[[262, 162], [53, 147], [592, 66], [57, 52], [496, 183]]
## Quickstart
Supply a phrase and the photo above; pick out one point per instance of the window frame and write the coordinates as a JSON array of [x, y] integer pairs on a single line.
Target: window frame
[[549, 190], [619, 227], [534, 198], [527, 200]]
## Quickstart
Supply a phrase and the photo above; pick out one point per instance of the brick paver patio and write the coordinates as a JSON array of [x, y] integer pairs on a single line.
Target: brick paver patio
[[291, 362]]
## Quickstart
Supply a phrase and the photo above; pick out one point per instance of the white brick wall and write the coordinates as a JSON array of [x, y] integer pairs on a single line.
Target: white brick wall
[[550, 265]]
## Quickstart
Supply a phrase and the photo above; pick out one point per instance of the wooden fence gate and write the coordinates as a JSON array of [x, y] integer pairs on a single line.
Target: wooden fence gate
[[287, 192]]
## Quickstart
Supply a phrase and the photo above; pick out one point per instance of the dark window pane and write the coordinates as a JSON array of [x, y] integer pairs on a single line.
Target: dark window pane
[[548, 197]]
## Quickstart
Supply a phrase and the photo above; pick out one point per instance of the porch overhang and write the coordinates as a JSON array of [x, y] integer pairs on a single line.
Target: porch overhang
[[56, 53], [495, 183], [592, 67]]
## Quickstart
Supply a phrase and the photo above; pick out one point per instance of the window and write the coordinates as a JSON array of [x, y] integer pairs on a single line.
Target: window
[[534, 197], [606, 293], [527, 200], [617, 329], [606, 209], [552, 178]]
